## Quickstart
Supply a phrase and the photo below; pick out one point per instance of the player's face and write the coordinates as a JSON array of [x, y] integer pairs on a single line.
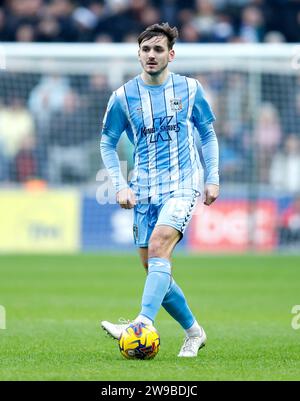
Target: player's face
[[154, 55]]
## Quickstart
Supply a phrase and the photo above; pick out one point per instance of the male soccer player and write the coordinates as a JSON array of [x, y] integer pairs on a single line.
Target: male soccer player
[[161, 113]]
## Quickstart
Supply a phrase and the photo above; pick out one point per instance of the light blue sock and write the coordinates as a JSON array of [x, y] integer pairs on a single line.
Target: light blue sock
[[176, 305], [156, 286]]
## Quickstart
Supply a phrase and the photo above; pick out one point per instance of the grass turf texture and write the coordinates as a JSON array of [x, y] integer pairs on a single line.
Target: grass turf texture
[[54, 305]]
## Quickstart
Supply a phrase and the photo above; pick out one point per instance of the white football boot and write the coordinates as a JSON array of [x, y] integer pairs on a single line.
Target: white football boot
[[115, 330], [191, 345]]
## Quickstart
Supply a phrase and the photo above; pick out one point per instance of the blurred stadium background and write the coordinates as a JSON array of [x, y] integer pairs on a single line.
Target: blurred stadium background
[[60, 61]]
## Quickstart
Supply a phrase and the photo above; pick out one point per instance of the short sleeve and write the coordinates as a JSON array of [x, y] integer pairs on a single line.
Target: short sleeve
[[202, 112]]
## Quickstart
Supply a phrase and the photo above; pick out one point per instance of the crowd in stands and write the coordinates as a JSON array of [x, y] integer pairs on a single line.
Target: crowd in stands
[[122, 20], [49, 128]]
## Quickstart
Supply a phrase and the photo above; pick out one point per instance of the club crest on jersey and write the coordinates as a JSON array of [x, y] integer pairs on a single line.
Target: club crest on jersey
[[176, 104]]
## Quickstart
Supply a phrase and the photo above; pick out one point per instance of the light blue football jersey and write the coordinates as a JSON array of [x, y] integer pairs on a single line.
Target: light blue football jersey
[[161, 122]]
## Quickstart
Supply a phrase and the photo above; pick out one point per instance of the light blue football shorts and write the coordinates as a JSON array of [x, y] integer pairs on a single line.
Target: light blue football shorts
[[173, 209]]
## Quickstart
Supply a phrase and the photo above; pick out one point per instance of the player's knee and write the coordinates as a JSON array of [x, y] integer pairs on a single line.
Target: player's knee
[[154, 249], [144, 257], [158, 246]]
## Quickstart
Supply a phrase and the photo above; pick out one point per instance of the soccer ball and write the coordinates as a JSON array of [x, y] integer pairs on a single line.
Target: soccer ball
[[139, 341]]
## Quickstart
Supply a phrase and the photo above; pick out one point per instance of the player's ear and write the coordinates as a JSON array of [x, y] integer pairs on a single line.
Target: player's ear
[[171, 55], [139, 55]]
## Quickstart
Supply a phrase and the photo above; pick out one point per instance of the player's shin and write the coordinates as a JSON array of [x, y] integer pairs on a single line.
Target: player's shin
[[156, 286], [176, 305]]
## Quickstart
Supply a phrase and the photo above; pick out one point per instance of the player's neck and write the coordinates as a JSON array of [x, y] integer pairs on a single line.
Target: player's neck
[[155, 79]]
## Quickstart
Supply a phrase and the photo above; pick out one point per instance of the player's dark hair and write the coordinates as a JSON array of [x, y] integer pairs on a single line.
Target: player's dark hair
[[163, 29]]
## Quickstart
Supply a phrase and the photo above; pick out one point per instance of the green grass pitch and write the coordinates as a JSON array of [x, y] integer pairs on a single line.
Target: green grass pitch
[[54, 305]]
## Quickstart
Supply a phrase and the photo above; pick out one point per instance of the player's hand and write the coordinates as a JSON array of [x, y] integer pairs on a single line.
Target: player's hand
[[126, 198], [211, 192]]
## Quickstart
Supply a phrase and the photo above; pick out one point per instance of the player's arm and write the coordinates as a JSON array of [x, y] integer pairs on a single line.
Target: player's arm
[[114, 124], [210, 153], [203, 118]]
